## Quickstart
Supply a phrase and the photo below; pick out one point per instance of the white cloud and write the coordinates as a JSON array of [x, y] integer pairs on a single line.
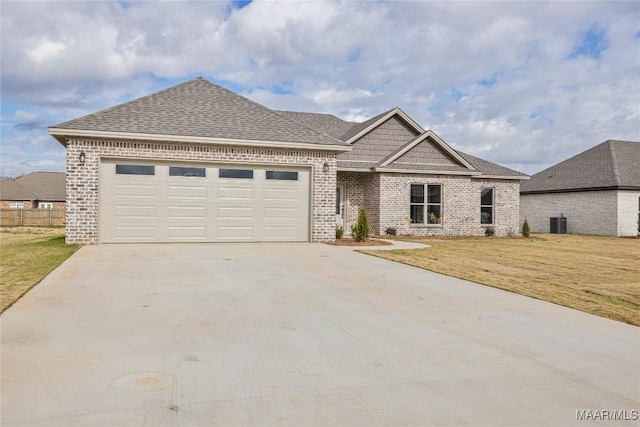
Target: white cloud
[[490, 78]]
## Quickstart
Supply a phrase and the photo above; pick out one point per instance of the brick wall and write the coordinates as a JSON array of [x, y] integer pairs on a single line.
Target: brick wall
[[587, 212], [27, 204], [82, 180], [386, 197], [361, 191]]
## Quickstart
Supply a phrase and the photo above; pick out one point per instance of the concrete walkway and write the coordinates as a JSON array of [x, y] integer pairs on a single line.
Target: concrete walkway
[[299, 334], [395, 245]]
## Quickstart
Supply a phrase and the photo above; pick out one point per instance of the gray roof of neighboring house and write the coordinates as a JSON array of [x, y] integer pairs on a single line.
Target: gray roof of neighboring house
[[11, 190], [46, 186], [610, 165], [200, 108], [327, 123]]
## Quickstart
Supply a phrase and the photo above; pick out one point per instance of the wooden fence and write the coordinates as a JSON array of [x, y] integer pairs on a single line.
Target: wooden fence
[[31, 217]]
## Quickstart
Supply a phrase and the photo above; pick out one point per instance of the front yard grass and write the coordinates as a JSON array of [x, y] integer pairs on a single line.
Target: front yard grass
[[27, 255], [598, 275]]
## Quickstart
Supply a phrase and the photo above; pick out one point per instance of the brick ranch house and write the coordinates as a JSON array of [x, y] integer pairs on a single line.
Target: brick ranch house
[[199, 163], [36, 190], [597, 191]]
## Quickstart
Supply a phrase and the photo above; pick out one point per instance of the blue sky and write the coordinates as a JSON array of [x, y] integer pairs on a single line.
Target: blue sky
[[523, 84]]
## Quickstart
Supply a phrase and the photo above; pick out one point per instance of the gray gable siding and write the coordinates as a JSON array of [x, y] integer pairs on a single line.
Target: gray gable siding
[[426, 153], [381, 141]]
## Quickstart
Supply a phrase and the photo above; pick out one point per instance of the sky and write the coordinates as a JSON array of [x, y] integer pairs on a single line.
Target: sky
[[522, 84]]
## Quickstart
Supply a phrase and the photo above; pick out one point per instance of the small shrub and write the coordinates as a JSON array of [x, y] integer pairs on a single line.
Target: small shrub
[[525, 228], [390, 231], [339, 231], [360, 230], [489, 231]]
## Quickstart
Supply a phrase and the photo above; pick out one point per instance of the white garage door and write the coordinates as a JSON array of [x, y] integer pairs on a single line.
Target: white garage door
[[174, 202]]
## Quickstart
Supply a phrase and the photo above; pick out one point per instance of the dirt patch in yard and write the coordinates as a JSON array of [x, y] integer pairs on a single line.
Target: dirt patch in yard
[[351, 242]]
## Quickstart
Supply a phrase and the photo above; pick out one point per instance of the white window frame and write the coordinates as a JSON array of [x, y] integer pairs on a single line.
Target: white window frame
[[16, 205], [45, 205], [426, 217], [492, 206]]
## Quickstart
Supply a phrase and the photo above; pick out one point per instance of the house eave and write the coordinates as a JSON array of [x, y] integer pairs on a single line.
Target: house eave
[[577, 190], [63, 134], [425, 171], [508, 177], [368, 170]]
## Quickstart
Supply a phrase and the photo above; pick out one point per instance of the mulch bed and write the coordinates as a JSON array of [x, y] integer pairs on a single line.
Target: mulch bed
[[350, 242]]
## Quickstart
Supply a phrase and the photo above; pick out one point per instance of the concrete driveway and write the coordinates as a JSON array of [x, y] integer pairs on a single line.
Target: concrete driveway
[[300, 334]]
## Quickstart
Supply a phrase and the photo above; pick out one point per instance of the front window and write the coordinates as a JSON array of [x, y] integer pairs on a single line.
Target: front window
[[486, 206], [426, 209], [45, 205], [16, 205]]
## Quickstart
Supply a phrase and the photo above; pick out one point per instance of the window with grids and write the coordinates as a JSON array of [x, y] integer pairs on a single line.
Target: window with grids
[[486, 206], [426, 204]]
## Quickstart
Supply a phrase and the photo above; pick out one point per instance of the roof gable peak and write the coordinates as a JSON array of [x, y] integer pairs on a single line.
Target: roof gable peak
[[361, 129], [439, 142]]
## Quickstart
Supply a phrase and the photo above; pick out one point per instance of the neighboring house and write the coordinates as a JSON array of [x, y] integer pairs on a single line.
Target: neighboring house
[[197, 162], [597, 191], [36, 190]]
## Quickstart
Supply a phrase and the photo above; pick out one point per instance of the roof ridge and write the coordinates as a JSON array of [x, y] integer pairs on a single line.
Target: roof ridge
[[614, 162]]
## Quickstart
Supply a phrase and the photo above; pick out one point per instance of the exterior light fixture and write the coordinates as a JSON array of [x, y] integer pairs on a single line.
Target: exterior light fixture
[[325, 167], [82, 158]]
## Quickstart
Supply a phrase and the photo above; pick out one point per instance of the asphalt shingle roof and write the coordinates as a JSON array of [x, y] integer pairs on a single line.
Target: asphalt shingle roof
[[47, 186], [612, 164], [200, 108], [11, 190], [488, 168], [327, 123]]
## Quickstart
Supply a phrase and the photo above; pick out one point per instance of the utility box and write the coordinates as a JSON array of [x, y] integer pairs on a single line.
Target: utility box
[[559, 225]]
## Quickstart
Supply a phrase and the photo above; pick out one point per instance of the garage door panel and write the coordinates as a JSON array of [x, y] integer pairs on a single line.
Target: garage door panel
[[236, 193], [173, 208], [129, 190], [236, 212], [187, 212], [187, 232], [191, 192], [140, 211], [278, 194]]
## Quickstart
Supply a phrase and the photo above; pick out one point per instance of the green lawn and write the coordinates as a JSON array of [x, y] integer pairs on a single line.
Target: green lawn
[[27, 255]]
